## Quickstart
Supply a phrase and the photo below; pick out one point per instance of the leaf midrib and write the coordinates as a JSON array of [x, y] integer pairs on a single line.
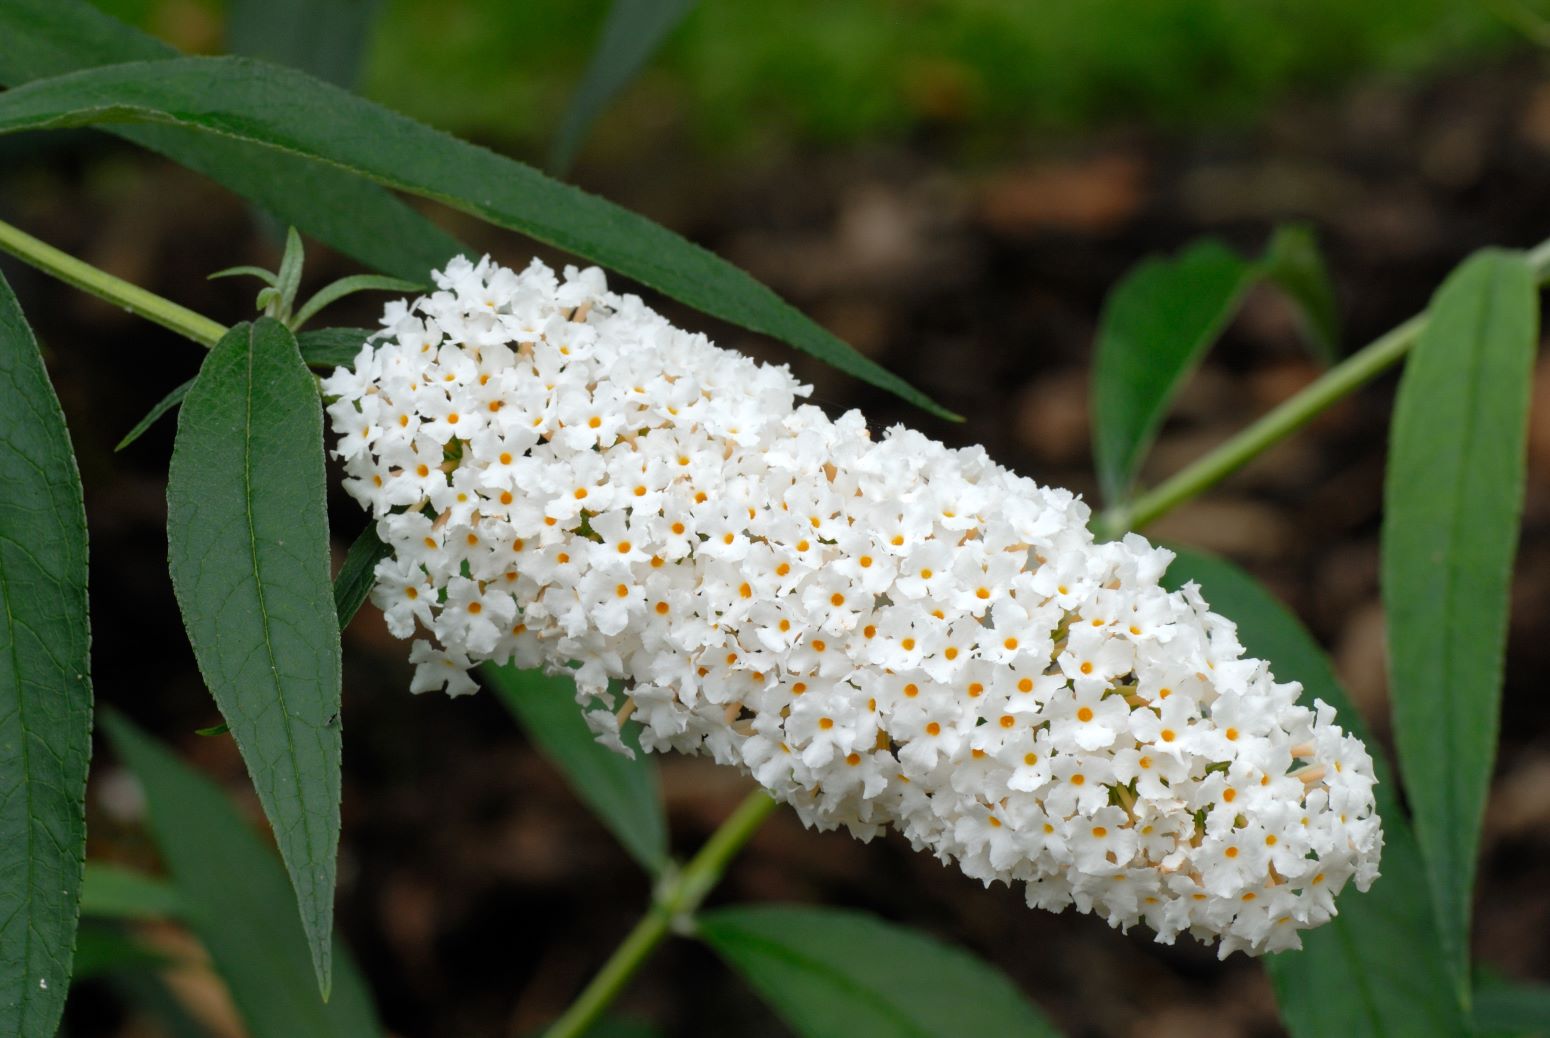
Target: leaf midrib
[[1473, 392], [258, 583]]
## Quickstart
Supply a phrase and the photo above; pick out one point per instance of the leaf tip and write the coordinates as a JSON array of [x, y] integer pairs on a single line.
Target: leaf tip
[[325, 980]]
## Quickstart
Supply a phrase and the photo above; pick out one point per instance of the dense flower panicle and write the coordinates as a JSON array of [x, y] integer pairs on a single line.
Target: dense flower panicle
[[881, 632]]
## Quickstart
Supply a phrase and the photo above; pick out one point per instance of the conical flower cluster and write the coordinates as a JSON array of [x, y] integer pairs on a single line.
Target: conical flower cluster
[[881, 632]]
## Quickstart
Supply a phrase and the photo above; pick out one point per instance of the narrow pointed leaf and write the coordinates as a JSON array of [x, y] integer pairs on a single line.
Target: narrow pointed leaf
[[248, 549], [45, 692], [103, 948], [1375, 970], [329, 348], [353, 584], [324, 348], [622, 1027], [349, 286], [324, 37], [114, 892], [632, 32], [51, 37], [1453, 496], [299, 115], [1513, 1008], [624, 794], [236, 897], [165, 404], [838, 974], [1157, 323], [266, 276], [1293, 263], [288, 277]]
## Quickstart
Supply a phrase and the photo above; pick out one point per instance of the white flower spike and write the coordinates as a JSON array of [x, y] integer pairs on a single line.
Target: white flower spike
[[880, 632]]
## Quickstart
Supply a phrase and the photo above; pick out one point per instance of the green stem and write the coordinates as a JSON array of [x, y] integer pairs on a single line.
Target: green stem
[[105, 286], [1273, 427], [1341, 380], [677, 898]]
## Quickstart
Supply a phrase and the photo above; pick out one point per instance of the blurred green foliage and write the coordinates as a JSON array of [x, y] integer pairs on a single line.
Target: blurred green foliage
[[739, 72], [815, 69]]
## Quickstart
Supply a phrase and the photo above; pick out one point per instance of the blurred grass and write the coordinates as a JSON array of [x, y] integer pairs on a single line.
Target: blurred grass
[[820, 70], [739, 73]]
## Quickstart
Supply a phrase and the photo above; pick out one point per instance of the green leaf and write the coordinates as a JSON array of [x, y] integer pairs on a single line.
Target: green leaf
[[353, 584], [622, 1027], [612, 1027], [631, 34], [1513, 1008], [236, 898], [325, 348], [248, 550], [291, 112], [102, 948], [1375, 969], [45, 691], [165, 404], [114, 892], [839, 974], [288, 278], [266, 276], [1293, 263], [52, 37], [622, 792], [349, 286], [1452, 499], [1156, 325], [329, 348], [324, 37]]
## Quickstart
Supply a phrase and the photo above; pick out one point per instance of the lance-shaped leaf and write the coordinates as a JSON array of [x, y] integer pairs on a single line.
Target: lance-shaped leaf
[[52, 37], [1293, 263], [632, 32], [248, 546], [324, 37], [839, 974], [1452, 500], [110, 947], [622, 1027], [329, 348], [322, 348], [1508, 1007], [624, 793], [173, 398], [294, 113], [45, 692], [114, 892], [1156, 325], [1375, 970], [347, 286], [235, 896], [356, 576]]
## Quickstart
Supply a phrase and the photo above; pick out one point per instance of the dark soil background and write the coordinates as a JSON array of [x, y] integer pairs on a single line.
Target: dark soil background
[[476, 892]]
